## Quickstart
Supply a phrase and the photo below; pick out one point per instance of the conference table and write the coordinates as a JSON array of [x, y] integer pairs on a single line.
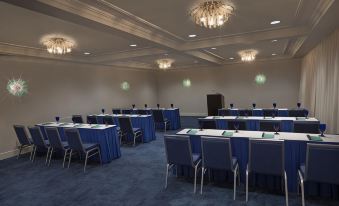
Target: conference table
[[144, 122], [282, 112], [172, 114], [104, 135], [295, 155], [286, 124]]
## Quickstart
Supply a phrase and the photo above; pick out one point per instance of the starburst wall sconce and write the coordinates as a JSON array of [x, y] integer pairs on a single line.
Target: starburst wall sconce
[[17, 87]]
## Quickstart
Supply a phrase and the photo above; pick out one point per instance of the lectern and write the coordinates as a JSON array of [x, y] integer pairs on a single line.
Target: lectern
[[214, 102]]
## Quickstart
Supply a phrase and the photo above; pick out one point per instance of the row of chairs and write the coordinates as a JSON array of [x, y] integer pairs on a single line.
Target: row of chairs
[[268, 126], [125, 126], [265, 157], [266, 112], [72, 146], [274, 104]]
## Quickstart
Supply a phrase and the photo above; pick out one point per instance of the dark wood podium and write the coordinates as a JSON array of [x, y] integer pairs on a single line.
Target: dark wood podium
[[214, 102]]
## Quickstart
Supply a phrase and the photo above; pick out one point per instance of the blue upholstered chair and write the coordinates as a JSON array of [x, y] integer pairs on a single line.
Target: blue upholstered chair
[[306, 127], [266, 157], [56, 144], [159, 118], [116, 111], [207, 124], [217, 154], [38, 141], [126, 111], [91, 119], [76, 146], [77, 119], [232, 125], [143, 111], [110, 121], [270, 112], [127, 129], [268, 126], [296, 113], [321, 166], [23, 138], [178, 152], [245, 112]]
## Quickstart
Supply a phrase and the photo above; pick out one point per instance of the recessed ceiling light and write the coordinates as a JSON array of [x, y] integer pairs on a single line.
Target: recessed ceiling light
[[213, 48], [132, 45], [231, 58], [274, 40], [87, 53], [275, 22], [192, 35], [274, 54], [166, 54]]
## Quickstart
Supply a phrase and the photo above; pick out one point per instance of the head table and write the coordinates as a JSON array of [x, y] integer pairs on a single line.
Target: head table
[[295, 155], [253, 122], [105, 136]]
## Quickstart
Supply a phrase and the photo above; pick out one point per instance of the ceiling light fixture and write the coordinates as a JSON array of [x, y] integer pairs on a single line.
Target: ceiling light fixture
[[213, 48], [165, 64], [274, 40], [192, 35], [274, 54], [211, 13], [133, 45], [58, 45], [87, 53], [248, 55], [275, 22], [231, 58]]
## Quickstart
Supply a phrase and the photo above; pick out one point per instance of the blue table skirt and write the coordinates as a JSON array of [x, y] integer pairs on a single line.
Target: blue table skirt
[[146, 124], [254, 125], [295, 155], [107, 139], [255, 112]]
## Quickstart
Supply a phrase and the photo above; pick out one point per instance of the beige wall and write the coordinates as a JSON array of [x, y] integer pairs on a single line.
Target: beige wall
[[64, 89], [235, 81]]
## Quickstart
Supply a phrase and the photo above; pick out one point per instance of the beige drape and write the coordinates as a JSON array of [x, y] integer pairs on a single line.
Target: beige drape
[[319, 87]]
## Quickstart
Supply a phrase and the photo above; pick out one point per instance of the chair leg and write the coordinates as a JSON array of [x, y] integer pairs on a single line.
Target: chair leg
[[167, 167], [195, 178], [47, 155], [70, 158], [165, 126], [238, 176], [20, 148], [202, 179], [50, 157], [247, 185], [30, 157], [302, 189], [99, 153], [85, 161], [65, 155], [286, 189], [235, 172], [134, 140], [34, 153]]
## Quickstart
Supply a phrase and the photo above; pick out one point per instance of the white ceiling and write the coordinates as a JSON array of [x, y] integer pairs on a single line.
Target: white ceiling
[[106, 28]]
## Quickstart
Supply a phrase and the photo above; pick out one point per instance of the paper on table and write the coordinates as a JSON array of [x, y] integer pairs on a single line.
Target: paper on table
[[267, 136], [227, 134], [192, 131], [314, 138]]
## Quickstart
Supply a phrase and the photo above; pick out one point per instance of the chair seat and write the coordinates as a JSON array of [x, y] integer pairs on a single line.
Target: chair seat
[[136, 130], [46, 142], [196, 157], [89, 146], [302, 170], [65, 144]]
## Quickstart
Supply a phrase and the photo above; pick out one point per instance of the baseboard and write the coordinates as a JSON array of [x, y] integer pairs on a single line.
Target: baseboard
[[13, 153]]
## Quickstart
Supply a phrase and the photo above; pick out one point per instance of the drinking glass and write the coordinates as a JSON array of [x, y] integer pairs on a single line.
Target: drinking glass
[[57, 119], [254, 105], [274, 105], [276, 128], [322, 128], [103, 111], [236, 126]]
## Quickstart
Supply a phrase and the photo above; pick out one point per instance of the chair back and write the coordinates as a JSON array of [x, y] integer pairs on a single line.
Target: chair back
[[322, 163], [270, 112], [245, 112], [108, 120], [266, 157], [178, 150], [126, 111], [225, 112], [77, 119], [207, 124], [54, 137], [116, 111], [125, 125], [306, 127], [216, 153], [74, 139], [38, 139], [242, 124], [158, 115], [296, 113], [266, 125], [143, 111], [21, 134], [91, 119]]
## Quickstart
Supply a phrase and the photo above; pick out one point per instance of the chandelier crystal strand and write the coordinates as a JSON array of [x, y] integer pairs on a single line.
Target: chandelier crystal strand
[[164, 63], [58, 45], [248, 55], [211, 14]]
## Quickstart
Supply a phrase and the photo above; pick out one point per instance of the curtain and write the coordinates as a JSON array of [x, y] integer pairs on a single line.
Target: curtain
[[319, 87]]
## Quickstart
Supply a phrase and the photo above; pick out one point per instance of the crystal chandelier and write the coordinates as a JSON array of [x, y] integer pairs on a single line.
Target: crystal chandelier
[[211, 14], [248, 55], [58, 45], [165, 63]]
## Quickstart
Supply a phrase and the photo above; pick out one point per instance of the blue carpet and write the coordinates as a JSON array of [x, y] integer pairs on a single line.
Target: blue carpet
[[137, 178]]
